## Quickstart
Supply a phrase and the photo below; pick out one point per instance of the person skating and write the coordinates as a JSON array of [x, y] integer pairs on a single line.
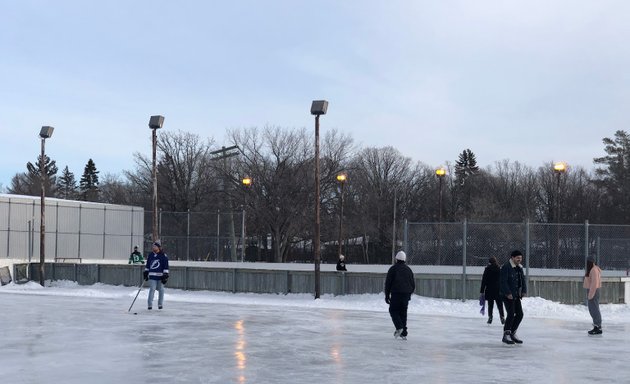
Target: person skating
[[341, 264], [490, 288], [593, 282], [513, 288], [399, 285], [136, 257], [156, 271]]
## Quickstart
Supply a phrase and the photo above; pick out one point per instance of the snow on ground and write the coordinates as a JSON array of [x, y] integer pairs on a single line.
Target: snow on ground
[[76, 334]]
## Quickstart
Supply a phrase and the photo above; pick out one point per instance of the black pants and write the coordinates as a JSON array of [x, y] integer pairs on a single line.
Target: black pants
[[514, 314], [398, 310], [499, 306]]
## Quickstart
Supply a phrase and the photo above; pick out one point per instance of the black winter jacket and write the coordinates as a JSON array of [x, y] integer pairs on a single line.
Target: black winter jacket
[[490, 282], [399, 279]]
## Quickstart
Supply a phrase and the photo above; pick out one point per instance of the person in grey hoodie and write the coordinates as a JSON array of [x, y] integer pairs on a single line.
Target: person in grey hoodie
[[399, 285]]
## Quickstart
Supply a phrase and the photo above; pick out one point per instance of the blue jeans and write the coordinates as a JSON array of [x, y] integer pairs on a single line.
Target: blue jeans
[[153, 285]]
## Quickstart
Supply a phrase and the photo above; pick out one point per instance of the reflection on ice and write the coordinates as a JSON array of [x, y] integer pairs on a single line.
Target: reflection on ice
[[241, 359]]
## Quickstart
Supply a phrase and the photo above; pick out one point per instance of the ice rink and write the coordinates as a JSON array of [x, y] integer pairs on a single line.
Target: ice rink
[[73, 334]]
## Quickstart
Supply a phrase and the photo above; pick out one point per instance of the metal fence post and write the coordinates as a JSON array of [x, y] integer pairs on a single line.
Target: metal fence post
[[527, 251], [131, 245], [79, 234], [56, 230], [586, 243], [9, 228], [104, 228], [218, 232], [188, 237], [406, 237], [464, 241]]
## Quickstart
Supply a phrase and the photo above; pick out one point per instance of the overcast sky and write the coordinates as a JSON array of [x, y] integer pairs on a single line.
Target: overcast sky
[[529, 81]]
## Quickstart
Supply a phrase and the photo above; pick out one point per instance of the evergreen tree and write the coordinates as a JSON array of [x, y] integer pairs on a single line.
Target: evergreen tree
[[614, 177], [66, 185], [29, 183], [465, 168], [88, 185]]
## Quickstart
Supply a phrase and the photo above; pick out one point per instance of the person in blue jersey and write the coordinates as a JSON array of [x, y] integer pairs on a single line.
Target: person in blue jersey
[[156, 272]]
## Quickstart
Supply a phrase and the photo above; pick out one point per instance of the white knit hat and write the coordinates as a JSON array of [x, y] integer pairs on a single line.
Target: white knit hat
[[401, 256]]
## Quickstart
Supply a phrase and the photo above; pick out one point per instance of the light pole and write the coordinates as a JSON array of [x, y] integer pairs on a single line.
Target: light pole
[[318, 108], [155, 123], [247, 183], [440, 173], [559, 168], [341, 178], [45, 133]]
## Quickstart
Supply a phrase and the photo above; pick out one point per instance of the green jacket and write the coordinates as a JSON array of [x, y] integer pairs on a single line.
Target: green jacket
[[136, 258]]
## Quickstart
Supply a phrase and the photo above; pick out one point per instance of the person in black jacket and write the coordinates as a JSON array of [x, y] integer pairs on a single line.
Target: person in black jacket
[[341, 264], [490, 288], [399, 285], [513, 288]]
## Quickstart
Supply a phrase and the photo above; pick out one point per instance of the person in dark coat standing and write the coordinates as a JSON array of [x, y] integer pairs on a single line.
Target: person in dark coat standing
[[490, 288], [399, 285], [341, 264], [156, 271], [513, 288]]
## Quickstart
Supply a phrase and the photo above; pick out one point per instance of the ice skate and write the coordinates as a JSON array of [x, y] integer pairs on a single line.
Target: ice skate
[[506, 338], [595, 331], [397, 333], [490, 320], [515, 339]]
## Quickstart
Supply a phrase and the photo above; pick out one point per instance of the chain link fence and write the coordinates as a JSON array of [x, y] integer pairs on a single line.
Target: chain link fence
[[204, 236], [549, 246]]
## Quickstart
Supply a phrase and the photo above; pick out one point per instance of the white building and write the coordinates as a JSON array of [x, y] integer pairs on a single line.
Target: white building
[[74, 229]]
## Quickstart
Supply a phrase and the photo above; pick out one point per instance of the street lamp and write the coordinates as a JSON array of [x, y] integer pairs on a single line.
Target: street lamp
[[155, 123], [341, 178], [559, 168], [45, 133], [440, 173], [247, 183], [318, 108]]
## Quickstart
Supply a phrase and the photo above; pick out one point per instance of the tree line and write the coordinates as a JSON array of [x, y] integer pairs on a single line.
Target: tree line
[[381, 184]]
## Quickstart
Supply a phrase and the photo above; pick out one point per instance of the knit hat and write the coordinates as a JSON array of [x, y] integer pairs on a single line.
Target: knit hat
[[158, 244], [341, 257], [516, 253], [401, 256]]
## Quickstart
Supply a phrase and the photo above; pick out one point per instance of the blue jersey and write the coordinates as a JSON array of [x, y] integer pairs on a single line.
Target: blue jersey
[[157, 265]]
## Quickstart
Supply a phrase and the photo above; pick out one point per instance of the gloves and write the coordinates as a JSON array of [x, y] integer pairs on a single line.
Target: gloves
[[146, 275], [387, 299], [482, 299], [164, 278]]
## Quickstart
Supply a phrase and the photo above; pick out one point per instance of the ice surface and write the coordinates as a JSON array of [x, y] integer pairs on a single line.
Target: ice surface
[[75, 334]]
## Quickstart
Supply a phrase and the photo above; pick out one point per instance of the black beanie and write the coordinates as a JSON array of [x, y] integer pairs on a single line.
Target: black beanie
[[516, 253]]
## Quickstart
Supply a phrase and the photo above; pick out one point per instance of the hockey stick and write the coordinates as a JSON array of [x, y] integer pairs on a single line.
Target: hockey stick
[[134, 299]]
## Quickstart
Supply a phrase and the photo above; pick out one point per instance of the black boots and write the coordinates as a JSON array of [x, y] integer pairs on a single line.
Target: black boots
[[490, 320], [595, 331], [515, 339], [506, 337]]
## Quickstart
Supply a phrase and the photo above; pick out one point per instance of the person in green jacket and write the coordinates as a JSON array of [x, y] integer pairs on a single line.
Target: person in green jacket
[[136, 257]]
